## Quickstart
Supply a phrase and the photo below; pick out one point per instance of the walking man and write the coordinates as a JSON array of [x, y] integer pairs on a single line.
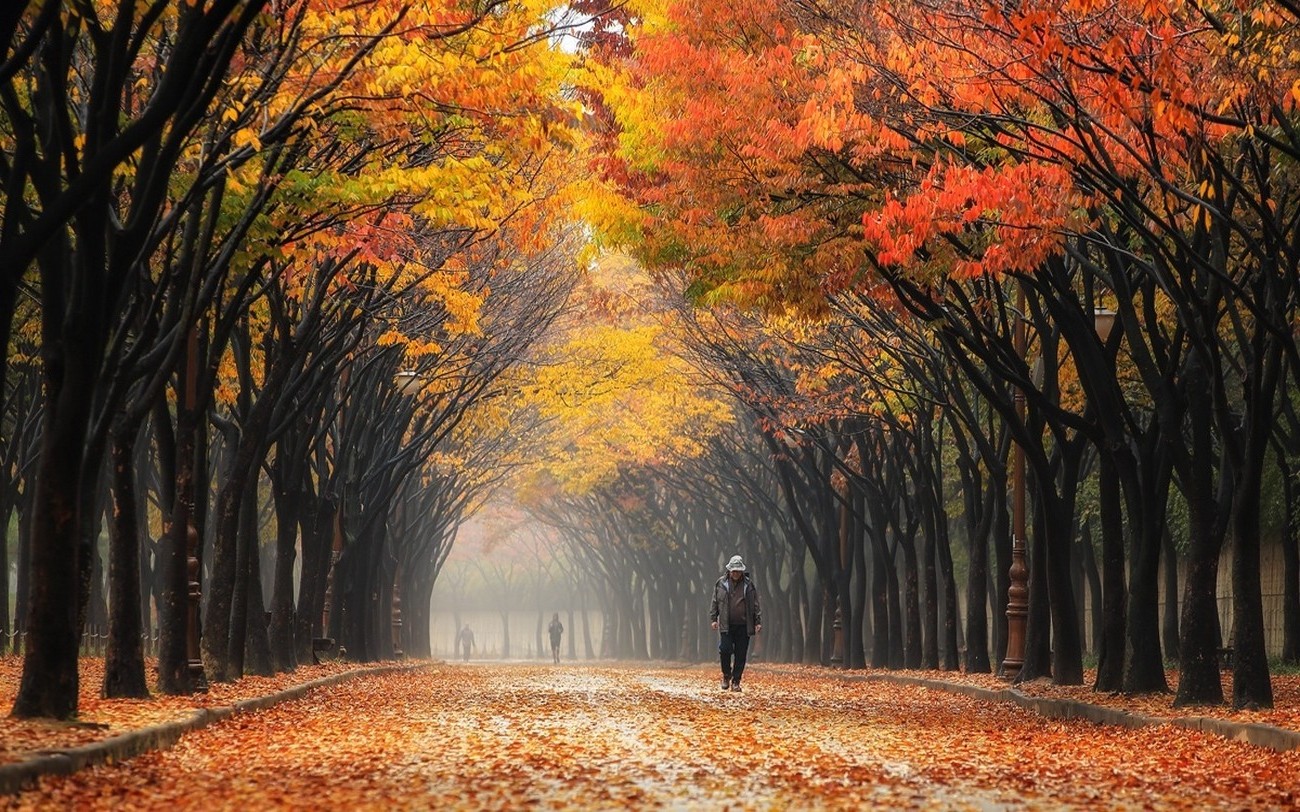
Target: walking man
[[465, 641], [556, 629], [735, 614]]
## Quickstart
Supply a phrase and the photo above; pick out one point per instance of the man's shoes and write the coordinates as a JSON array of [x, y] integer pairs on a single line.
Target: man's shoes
[[726, 683], [735, 686]]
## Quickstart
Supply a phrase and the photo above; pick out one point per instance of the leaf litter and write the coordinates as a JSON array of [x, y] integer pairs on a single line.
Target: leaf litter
[[627, 736]]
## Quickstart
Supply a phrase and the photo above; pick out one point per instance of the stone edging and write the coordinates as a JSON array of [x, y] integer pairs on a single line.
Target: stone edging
[[18, 775], [1274, 738]]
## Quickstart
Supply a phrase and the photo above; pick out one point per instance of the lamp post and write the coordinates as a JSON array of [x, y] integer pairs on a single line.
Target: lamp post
[[1018, 590], [1103, 323], [838, 654], [198, 680], [409, 383]]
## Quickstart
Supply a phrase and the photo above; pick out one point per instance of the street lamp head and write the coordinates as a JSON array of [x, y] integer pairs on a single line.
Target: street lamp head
[[408, 382], [1103, 321]]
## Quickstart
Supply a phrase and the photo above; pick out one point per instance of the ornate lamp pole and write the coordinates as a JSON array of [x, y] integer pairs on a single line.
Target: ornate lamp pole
[[838, 654], [397, 621], [193, 579], [409, 383], [194, 595], [1018, 591]]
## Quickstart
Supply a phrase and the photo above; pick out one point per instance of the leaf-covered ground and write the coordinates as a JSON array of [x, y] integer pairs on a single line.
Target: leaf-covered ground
[[580, 737], [1285, 712], [99, 718]]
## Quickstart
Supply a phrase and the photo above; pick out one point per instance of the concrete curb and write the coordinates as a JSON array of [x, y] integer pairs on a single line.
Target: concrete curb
[[1273, 738], [16, 776]]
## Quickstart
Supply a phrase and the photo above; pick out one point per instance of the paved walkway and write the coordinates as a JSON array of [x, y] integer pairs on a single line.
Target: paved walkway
[[583, 737]]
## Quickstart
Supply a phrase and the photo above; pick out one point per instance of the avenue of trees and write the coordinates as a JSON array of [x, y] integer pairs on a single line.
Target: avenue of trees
[[922, 240], [266, 268], [291, 288]]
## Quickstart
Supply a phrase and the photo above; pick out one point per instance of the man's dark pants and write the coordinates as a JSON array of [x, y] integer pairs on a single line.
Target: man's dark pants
[[733, 647]]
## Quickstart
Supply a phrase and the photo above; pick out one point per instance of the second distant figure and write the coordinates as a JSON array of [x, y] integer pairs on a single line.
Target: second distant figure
[[465, 641], [556, 630], [735, 614]]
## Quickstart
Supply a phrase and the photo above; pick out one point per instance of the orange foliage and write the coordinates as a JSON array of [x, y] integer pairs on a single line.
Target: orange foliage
[[766, 139]]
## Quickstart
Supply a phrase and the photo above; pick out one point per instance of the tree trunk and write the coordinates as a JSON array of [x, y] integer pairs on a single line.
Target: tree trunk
[[49, 680], [1199, 682], [951, 619], [124, 675], [241, 594], [1110, 657], [861, 593], [257, 642], [174, 675], [1091, 576], [1251, 687], [1290, 573], [288, 501], [6, 515], [930, 613], [911, 604], [1145, 672], [1169, 624], [977, 622]]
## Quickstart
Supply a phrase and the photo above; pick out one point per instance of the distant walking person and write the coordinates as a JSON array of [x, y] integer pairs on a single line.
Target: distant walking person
[[735, 613], [465, 641], [556, 630]]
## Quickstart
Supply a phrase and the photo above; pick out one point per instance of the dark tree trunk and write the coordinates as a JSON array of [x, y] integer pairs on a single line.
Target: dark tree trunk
[[814, 651], [93, 614], [6, 514], [174, 675], [951, 620], [317, 529], [1038, 625], [1290, 572], [26, 511], [1251, 686], [977, 622], [1088, 563], [241, 595], [1110, 656], [798, 604], [257, 643], [1145, 672], [930, 614], [861, 594], [220, 628], [589, 652], [1198, 681], [50, 677], [879, 606], [1169, 624], [1059, 524], [220, 597], [912, 604], [288, 500], [894, 640], [124, 674]]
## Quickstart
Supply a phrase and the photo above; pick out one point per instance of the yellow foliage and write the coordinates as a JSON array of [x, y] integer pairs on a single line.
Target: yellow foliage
[[614, 396]]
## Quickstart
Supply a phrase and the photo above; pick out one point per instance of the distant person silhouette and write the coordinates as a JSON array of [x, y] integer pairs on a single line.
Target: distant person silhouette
[[556, 630], [465, 641]]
